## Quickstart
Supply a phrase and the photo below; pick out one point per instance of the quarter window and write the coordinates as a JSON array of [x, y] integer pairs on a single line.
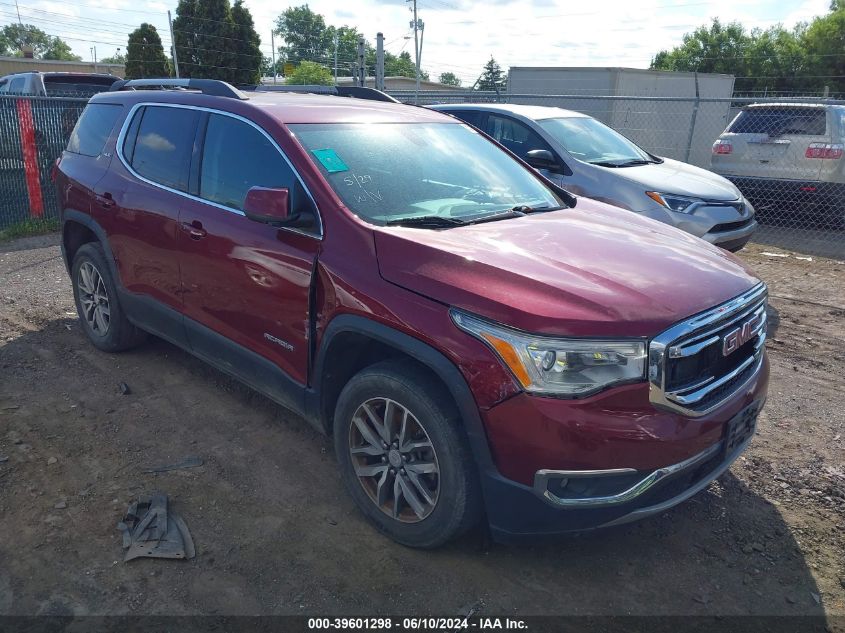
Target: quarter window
[[92, 130], [17, 85], [161, 149]]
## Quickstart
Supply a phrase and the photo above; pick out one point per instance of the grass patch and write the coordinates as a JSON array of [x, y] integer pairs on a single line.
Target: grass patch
[[30, 226]]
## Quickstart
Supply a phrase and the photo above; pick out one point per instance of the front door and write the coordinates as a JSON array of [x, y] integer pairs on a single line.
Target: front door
[[246, 285]]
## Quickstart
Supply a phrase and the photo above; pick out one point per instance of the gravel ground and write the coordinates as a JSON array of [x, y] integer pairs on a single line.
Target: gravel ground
[[276, 534]]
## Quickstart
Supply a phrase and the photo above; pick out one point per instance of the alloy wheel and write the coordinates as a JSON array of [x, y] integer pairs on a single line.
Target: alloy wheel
[[394, 460], [94, 298]]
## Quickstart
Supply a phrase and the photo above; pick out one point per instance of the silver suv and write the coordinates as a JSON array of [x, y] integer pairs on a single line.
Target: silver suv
[[784, 155], [590, 159]]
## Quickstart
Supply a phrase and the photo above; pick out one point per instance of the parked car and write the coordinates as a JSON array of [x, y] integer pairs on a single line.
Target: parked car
[[55, 84], [52, 120], [480, 343], [787, 156], [590, 159]]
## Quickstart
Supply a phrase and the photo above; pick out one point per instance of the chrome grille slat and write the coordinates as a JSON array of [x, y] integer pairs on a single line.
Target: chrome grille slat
[[695, 336], [698, 396]]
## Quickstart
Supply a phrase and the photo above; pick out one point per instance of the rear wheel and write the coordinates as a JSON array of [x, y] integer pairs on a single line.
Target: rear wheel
[[95, 294], [404, 457]]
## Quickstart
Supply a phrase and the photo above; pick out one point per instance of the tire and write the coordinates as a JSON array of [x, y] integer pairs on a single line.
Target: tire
[[433, 439], [109, 330]]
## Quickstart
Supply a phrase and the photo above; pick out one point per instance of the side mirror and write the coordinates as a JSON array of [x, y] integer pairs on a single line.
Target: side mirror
[[270, 206], [542, 159]]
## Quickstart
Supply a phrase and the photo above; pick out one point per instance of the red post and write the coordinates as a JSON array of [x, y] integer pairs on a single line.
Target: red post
[[30, 158]]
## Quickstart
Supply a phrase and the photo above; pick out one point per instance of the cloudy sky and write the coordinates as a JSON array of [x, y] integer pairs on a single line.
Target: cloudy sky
[[460, 35]]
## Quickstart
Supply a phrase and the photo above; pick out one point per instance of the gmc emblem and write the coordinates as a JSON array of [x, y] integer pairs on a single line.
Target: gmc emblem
[[734, 339]]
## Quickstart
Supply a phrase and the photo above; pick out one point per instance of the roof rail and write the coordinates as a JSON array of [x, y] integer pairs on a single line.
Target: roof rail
[[211, 87], [358, 92]]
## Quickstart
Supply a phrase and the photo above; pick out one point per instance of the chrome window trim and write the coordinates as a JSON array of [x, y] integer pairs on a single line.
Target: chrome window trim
[[659, 349], [128, 121]]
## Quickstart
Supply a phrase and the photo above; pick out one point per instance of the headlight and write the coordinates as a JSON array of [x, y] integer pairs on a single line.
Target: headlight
[[672, 202], [559, 366]]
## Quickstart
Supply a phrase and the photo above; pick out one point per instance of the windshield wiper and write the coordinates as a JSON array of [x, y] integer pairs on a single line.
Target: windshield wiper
[[427, 222], [627, 163]]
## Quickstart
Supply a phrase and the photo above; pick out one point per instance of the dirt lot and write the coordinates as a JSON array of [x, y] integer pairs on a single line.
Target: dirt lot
[[276, 534]]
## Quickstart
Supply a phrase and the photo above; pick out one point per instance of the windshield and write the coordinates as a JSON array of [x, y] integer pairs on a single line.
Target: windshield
[[593, 142], [389, 172]]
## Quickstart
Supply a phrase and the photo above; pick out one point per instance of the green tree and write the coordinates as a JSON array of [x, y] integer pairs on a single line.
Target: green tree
[[717, 48], [145, 54], [823, 41], [185, 30], [305, 35], [310, 73], [450, 79], [493, 77], [117, 58], [206, 41], [402, 66], [15, 37], [247, 44], [347, 49]]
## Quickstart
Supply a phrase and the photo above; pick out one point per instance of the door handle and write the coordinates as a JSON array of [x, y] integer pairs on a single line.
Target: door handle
[[106, 201], [194, 229]]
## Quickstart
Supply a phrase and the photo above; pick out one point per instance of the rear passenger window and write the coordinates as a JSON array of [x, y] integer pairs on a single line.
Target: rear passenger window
[[92, 130], [161, 149], [236, 157]]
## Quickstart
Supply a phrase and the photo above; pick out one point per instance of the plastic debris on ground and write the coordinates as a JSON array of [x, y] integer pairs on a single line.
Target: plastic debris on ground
[[152, 530]]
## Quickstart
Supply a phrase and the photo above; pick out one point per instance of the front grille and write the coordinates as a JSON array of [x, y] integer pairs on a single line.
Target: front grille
[[731, 226], [697, 364]]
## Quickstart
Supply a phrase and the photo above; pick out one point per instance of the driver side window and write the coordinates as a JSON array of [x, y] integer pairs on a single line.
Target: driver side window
[[516, 136]]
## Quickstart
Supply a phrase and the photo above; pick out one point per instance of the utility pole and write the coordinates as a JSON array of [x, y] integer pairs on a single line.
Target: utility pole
[[336, 44], [19, 12], [362, 69], [417, 53], [379, 61], [417, 25], [273, 45], [173, 47]]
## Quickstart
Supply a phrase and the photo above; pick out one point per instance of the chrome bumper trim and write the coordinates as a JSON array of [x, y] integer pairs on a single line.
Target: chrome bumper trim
[[648, 511], [542, 477]]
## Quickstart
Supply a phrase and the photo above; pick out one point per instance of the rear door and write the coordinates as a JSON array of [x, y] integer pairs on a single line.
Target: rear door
[[140, 198], [772, 141], [246, 284]]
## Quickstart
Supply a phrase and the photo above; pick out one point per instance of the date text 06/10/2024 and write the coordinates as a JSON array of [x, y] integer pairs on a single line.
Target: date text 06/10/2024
[[416, 624]]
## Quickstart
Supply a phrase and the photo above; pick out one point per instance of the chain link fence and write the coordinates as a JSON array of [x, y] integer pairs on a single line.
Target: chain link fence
[[33, 133], [784, 154]]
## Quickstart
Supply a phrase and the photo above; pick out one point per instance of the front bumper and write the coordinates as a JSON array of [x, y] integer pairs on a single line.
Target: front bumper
[[652, 459], [729, 225]]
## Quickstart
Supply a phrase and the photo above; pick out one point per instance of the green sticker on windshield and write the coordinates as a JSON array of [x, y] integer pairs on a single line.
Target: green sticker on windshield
[[330, 160]]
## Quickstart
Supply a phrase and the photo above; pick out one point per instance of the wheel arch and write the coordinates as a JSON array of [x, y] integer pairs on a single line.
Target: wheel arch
[[352, 343], [79, 228]]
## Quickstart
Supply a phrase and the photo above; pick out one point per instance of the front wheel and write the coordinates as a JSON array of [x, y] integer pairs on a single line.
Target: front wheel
[[404, 457]]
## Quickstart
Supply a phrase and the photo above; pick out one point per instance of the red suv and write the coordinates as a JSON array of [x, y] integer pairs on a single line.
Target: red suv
[[480, 343]]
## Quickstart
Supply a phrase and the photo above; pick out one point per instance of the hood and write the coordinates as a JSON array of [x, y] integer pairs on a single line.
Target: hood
[[594, 270], [672, 176]]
